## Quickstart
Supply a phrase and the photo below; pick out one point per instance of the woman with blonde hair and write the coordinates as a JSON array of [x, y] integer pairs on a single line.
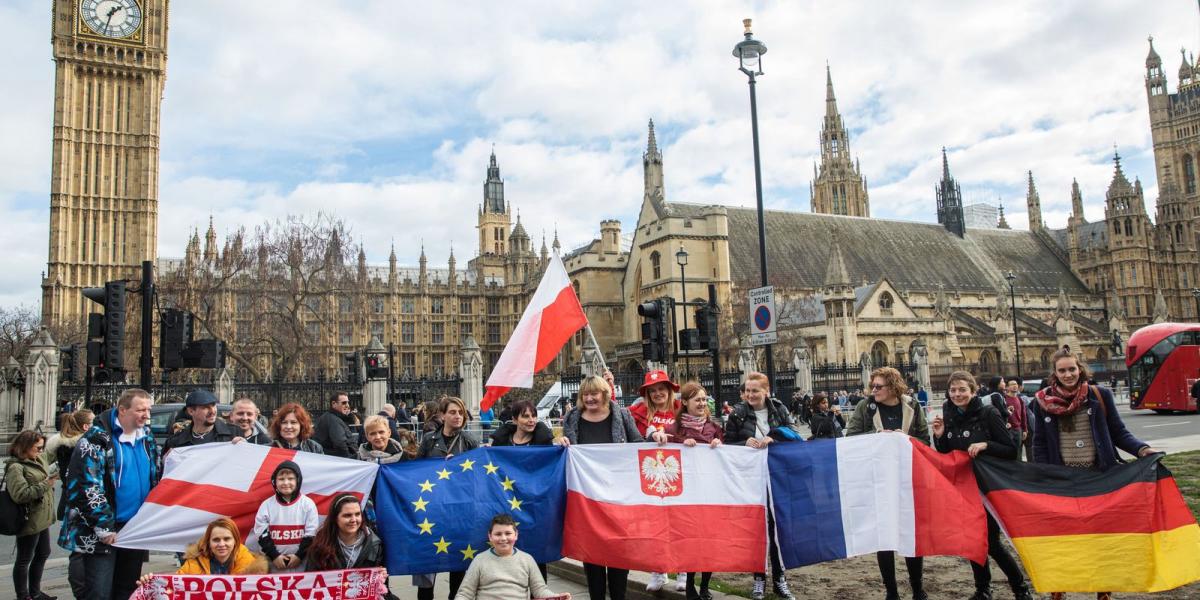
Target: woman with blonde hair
[[380, 448], [62, 444], [597, 419], [890, 408]]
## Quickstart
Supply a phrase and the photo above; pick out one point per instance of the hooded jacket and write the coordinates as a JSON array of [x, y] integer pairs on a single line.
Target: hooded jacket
[[286, 526], [245, 562], [977, 422], [27, 481], [91, 487]]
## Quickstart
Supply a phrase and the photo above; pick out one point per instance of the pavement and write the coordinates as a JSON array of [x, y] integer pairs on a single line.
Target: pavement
[[1170, 433]]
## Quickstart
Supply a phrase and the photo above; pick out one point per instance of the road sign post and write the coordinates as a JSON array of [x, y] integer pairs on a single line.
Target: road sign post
[[762, 316]]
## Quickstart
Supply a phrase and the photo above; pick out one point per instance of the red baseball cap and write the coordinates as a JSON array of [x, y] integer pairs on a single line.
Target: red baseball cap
[[655, 378]]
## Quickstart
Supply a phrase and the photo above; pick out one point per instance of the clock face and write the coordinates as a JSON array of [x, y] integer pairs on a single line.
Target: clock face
[[111, 18]]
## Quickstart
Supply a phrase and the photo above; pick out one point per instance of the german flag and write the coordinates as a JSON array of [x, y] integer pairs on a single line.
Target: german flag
[[1124, 530]]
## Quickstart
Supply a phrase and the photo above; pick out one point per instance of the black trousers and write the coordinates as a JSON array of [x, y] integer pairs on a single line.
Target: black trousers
[[691, 584], [601, 578], [456, 579], [32, 552], [777, 572], [1008, 564], [109, 576], [887, 570]]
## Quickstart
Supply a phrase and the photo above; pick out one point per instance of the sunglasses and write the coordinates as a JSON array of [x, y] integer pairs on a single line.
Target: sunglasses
[[876, 386]]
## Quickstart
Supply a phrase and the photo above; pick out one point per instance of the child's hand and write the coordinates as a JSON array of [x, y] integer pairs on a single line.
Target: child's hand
[[690, 443], [280, 562], [716, 442]]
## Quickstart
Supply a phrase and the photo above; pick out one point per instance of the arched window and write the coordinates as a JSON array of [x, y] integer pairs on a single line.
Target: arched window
[[656, 264], [1178, 233], [879, 354], [1128, 226], [885, 303], [986, 361], [1117, 227], [1189, 174], [1044, 363]]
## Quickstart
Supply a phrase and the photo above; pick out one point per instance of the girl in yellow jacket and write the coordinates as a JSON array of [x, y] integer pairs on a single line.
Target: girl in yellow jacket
[[220, 552]]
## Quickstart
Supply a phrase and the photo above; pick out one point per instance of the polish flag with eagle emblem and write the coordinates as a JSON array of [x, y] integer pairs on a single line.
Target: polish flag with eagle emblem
[[656, 508], [551, 318], [202, 483]]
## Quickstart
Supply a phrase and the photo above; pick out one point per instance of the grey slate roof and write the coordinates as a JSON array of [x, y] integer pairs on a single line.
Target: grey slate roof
[[1091, 235], [911, 255]]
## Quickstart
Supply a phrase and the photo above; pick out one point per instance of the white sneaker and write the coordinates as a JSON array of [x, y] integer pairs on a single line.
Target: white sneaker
[[681, 582], [656, 582]]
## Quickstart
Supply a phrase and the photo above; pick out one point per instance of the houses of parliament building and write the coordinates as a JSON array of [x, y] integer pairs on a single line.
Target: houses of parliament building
[[848, 285]]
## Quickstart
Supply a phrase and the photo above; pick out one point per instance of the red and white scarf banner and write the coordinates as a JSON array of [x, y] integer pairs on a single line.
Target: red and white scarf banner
[[349, 584]]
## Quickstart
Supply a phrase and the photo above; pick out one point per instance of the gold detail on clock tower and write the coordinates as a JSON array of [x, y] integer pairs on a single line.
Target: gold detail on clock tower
[[110, 67]]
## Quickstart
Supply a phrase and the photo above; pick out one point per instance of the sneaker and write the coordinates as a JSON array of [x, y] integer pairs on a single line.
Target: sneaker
[[782, 590], [705, 595], [656, 582], [43, 596], [760, 589], [681, 582], [981, 595]]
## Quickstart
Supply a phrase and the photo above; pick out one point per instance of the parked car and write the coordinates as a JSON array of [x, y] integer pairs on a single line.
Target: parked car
[[163, 416], [1030, 387]]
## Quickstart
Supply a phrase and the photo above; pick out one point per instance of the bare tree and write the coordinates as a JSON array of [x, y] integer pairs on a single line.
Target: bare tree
[[271, 299], [17, 326]]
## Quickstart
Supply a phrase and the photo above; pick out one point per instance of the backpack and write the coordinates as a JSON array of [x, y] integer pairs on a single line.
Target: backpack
[[13, 516], [997, 400]]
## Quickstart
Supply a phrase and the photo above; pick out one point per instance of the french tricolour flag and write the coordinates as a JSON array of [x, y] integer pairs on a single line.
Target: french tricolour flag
[[660, 508], [887, 491]]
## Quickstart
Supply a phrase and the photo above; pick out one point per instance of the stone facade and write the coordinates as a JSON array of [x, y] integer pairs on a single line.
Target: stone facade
[[108, 89]]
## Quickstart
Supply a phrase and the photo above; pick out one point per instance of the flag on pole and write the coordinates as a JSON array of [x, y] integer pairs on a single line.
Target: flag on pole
[[1129, 526], [551, 318], [201, 483]]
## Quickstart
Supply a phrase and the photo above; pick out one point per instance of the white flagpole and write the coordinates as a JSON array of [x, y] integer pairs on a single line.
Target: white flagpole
[[597, 345]]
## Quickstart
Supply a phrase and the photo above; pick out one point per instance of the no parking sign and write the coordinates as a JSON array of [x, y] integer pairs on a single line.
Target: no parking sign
[[762, 316]]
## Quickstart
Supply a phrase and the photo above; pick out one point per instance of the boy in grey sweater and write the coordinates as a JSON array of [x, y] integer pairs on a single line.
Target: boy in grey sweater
[[503, 572]]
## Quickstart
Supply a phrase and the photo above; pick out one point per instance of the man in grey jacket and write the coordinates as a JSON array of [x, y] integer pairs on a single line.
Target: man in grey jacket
[[333, 431]]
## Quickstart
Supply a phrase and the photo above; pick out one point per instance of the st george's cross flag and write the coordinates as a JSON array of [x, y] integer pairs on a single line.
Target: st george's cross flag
[[202, 483], [551, 318], [839, 498], [656, 508]]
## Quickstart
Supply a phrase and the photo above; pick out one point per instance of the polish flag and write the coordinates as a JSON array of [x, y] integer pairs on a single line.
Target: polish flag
[[202, 483], [551, 318], [657, 508]]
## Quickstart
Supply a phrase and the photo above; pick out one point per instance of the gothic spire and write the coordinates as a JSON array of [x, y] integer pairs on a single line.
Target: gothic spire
[[949, 201], [831, 110], [1034, 204], [493, 188], [836, 274], [1003, 224], [652, 142], [1077, 202]]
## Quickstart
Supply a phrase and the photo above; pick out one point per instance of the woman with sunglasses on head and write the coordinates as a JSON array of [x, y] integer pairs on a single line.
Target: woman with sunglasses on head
[[975, 426], [1076, 424], [890, 408]]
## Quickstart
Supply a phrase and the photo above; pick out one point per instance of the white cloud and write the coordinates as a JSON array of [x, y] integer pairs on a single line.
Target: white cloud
[[385, 115]]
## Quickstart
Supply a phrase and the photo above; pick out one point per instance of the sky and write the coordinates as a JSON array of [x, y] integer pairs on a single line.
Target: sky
[[383, 112]]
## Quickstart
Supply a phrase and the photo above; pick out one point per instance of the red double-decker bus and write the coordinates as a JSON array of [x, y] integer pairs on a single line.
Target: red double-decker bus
[[1164, 362]]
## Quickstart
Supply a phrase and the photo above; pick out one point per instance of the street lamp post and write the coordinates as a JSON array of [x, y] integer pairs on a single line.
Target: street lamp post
[[681, 258], [749, 54], [1012, 294]]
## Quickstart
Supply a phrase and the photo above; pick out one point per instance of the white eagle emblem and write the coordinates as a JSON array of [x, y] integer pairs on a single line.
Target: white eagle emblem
[[662, 472]]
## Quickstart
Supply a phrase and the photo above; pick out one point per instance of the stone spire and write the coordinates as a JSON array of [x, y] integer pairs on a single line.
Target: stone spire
[[545, 252], [493, 188], [1076, 203], [423, 278], [1160, 307], [210, 243], [836, 275], [453, 264], [652, 167], [362, 263], [1034, 205], [1003, 222], [837, 187], [949, 201], [556, 245]]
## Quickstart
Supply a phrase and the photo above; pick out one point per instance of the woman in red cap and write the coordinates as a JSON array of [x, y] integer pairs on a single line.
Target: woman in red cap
[[653, 414]]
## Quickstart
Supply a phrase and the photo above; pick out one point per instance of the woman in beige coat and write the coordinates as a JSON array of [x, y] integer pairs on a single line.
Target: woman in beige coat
[[28, 480]]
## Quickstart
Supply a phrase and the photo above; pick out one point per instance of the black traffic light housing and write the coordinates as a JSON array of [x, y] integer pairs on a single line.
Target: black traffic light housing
[[375, 367], [174, 334], [706, 327], [654, 330], [353, 367], [108, 355]]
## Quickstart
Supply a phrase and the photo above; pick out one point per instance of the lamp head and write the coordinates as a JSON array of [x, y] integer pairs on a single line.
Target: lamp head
[[681, 257], [749, 52]]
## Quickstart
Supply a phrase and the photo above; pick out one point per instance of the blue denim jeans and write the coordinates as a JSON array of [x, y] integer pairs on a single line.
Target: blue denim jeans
[[109, 576]]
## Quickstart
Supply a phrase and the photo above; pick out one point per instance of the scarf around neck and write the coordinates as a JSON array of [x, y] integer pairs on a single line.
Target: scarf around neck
[[687, 421], [1061, 402]]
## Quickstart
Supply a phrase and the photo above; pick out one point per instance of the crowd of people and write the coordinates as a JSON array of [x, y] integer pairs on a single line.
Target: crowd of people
[[109, 462]]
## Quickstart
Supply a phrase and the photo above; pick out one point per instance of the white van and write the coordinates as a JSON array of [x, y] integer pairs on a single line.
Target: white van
[[550, 403]]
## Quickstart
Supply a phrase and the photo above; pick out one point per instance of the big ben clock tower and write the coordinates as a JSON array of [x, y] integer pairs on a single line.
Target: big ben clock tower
[[110, 61]]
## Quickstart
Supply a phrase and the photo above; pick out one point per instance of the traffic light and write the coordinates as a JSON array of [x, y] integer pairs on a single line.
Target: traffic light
[[353, 367], [174, 335], [109, 354], [375, 367], [706, 326], [204, 354], [654, 338], [68, 360]]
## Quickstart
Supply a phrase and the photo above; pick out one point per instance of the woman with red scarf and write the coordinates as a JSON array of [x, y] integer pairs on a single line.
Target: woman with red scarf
[[1076, 424]]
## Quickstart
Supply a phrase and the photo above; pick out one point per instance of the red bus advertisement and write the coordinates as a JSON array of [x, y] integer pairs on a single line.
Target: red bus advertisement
[[1164, 362]]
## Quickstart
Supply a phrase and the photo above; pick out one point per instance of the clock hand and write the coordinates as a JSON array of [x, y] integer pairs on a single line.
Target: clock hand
[[112, 11]]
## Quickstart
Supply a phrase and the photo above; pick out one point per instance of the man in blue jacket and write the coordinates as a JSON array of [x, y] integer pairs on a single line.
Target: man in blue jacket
[[111, 473]]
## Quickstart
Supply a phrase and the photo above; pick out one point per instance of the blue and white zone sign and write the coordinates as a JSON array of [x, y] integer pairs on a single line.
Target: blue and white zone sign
[[762, 316]]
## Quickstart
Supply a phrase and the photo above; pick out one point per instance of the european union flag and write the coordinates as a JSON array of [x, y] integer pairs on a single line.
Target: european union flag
[[433, 514]]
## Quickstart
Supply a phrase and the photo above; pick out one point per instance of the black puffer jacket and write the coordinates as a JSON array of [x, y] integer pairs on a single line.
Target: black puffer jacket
[[542, 436], [979, 422], [742, 422]]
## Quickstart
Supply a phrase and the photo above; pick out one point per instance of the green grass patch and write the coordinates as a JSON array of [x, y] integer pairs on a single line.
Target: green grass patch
[[720, 586], [1186, 468]]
